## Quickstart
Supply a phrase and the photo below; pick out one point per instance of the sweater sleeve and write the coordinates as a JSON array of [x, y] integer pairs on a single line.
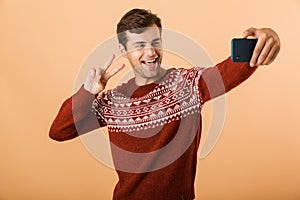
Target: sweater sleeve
[[223, 77], [75, 117]]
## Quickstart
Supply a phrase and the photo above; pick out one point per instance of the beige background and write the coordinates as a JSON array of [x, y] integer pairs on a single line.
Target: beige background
[[43, 44]]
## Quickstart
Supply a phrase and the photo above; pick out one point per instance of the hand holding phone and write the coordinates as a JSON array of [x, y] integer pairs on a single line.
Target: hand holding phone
[[242, 49]]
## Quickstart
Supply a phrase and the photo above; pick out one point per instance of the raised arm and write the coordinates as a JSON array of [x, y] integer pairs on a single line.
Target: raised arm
[[76, 116]]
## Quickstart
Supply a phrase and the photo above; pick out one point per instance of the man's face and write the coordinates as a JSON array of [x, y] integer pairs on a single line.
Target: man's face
[[144, 52]]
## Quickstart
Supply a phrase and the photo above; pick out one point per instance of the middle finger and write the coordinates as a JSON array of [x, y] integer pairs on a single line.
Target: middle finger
[[108, 62]]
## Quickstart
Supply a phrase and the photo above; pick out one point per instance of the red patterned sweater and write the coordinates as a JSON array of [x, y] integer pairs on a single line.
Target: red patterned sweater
[[154, 129]]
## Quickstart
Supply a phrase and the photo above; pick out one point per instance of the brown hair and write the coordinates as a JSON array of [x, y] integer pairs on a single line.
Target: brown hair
[[135, 21]]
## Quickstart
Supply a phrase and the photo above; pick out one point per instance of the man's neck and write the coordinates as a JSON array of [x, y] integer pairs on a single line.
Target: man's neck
[[140, 81]]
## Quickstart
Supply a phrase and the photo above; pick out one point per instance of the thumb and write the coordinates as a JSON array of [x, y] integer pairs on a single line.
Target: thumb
[[250, 32]]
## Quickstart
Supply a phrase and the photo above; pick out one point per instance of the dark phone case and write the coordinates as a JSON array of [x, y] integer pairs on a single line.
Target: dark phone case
[[242, 49]]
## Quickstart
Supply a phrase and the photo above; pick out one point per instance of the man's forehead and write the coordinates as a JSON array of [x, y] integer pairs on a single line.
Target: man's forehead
[[148, 35]]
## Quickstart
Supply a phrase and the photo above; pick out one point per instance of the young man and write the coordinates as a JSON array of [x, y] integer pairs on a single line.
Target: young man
[[154, 119]]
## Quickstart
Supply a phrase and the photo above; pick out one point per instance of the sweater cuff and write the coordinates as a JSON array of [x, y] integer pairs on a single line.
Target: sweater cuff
[[83, 99], [239, 64]]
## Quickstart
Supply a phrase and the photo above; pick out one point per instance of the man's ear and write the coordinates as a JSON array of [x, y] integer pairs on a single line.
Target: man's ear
[[123, 50]]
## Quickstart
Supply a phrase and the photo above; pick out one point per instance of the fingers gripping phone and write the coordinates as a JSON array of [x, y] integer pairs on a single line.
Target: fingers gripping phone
[[242, 49]]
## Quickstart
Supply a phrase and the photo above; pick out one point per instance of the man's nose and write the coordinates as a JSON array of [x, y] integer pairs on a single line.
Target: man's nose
[[149, 50]]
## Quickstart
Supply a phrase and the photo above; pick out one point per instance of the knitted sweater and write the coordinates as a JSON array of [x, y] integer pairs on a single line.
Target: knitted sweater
[[154, 129]]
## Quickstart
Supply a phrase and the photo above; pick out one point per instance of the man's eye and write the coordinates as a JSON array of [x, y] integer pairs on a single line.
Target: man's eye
[[156, 44], [140, 46]]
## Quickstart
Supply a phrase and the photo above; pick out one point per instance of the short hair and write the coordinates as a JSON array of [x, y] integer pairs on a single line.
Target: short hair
[[136, 21]]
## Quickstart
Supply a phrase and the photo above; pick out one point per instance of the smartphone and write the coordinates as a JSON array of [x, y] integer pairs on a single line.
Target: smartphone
[[242, 49]]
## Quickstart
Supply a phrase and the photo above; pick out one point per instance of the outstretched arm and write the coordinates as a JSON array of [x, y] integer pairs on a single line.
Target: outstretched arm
[[226, 75]]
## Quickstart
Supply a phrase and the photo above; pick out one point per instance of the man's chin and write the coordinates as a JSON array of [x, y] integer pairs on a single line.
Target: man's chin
[[150, 67], [152, 71]]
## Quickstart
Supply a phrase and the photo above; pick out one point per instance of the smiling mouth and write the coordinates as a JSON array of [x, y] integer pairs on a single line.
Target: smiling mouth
[[149, 62]]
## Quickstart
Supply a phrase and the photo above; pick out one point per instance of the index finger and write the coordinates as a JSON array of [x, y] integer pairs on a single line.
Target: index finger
[[256, 52], [108, 62]]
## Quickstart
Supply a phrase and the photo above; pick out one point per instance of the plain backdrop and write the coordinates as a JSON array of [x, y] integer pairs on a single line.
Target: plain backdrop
[[42, 46]]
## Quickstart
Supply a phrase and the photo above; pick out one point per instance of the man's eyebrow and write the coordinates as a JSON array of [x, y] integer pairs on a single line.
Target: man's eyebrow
[[156, 39], [139, 42], [143, 42]]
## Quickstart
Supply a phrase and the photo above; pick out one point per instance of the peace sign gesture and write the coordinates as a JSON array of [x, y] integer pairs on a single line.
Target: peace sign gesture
[[97, 78]]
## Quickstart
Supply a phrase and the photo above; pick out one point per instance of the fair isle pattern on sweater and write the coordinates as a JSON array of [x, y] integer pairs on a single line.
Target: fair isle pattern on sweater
[[175, 97]]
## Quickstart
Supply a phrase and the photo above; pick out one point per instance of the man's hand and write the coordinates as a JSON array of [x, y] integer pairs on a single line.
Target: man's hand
[[97, 78], [267, 47]]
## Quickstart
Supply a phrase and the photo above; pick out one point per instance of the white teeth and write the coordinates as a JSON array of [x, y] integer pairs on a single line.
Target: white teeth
[[150, 61]]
